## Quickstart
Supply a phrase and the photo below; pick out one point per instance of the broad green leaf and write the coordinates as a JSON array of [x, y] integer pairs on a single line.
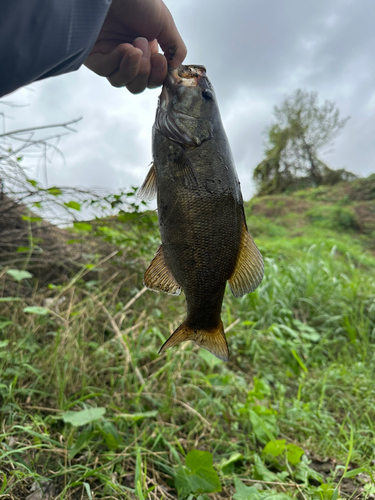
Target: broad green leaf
[[275, 447], [227, 466], [82, 226], [294, 453], [261, 472], [23, 249], [19, 274], [244, 492], [4, 343], [41, 311], [199, 459], [74, 205], [32, 182], [198, 476], [83, 417]]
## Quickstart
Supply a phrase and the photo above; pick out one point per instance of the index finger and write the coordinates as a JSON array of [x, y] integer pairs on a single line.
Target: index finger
[[170, 41]]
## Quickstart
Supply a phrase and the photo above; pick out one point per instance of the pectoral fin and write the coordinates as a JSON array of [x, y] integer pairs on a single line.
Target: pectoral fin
[[159, 278], [149, 189], [249, 269], [212, 339], [186, 170]]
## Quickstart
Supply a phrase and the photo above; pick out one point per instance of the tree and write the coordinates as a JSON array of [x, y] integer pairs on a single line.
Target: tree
[[302, 130]]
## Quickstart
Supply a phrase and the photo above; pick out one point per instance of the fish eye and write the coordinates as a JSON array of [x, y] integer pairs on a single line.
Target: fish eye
[[208, 95]]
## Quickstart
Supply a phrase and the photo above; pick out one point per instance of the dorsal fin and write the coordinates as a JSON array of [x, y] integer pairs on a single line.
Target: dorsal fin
[[212, 339], [149, 189], [159, 278], [249, 269]]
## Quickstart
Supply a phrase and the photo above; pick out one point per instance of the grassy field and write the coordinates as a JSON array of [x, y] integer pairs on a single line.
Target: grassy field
[[90, 410]]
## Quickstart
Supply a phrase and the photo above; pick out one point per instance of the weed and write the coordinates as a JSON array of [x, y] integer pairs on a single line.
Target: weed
[[89, 408]]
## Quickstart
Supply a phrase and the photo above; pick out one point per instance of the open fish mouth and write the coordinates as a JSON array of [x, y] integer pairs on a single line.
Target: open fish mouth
[[187, 76], [172, 121]]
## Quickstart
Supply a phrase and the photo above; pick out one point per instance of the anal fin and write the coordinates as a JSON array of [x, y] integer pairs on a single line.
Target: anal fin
[[159, 278], [149, 189], [249, 269], [212, 339]]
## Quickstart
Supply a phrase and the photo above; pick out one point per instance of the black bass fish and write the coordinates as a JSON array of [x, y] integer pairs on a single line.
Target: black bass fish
[[205, 240]]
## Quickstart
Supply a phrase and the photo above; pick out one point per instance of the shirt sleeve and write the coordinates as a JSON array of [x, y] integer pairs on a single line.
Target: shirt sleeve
[[42, 38]]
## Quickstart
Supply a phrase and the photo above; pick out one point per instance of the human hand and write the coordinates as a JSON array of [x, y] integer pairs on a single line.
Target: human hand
[[126, 51]]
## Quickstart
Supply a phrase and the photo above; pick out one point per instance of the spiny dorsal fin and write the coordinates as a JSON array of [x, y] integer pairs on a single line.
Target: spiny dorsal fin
[[212, 339], [158, 277], [249, 269], [149, 189]]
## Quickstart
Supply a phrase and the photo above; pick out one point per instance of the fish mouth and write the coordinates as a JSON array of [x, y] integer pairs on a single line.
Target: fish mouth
[[172, 121], [186, 76]]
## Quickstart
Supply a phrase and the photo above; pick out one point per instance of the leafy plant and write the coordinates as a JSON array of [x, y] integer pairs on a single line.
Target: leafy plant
[[198, 475]]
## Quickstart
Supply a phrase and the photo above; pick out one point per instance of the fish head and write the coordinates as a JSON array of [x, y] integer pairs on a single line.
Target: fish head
[[187, 110]]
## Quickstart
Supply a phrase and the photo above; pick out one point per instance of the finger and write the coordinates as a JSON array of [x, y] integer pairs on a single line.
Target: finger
[[159, 69], [106, 63], [154, 47], [170, 41], [128, 69], [139, 83]]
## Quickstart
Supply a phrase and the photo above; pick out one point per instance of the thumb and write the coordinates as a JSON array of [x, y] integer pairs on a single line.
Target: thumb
[[170, 40]]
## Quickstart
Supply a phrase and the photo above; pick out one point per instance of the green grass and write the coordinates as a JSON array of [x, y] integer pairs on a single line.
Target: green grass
[[300, 377]]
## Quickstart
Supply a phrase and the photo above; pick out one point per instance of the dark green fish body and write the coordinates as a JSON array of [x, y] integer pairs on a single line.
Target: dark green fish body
[[204, 236]]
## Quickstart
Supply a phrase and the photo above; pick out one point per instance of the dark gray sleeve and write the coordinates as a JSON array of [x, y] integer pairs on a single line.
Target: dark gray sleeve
[[41, 38]]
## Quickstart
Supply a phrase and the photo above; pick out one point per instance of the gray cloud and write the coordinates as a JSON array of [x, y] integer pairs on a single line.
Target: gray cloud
[[255, 52]]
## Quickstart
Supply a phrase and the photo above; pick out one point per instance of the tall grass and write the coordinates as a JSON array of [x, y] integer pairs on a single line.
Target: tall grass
[[301, 369]]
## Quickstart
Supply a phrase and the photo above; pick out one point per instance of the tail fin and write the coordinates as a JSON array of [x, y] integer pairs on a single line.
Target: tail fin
[[212, 339]]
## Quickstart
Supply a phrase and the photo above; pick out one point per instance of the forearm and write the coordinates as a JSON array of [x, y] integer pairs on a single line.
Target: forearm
[[42, 38]]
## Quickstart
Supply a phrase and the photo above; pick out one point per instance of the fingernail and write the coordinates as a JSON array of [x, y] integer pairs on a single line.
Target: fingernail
[[142, 43]]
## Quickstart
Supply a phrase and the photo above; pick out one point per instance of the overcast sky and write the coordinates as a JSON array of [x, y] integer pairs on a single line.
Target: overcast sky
[[255, 52]]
